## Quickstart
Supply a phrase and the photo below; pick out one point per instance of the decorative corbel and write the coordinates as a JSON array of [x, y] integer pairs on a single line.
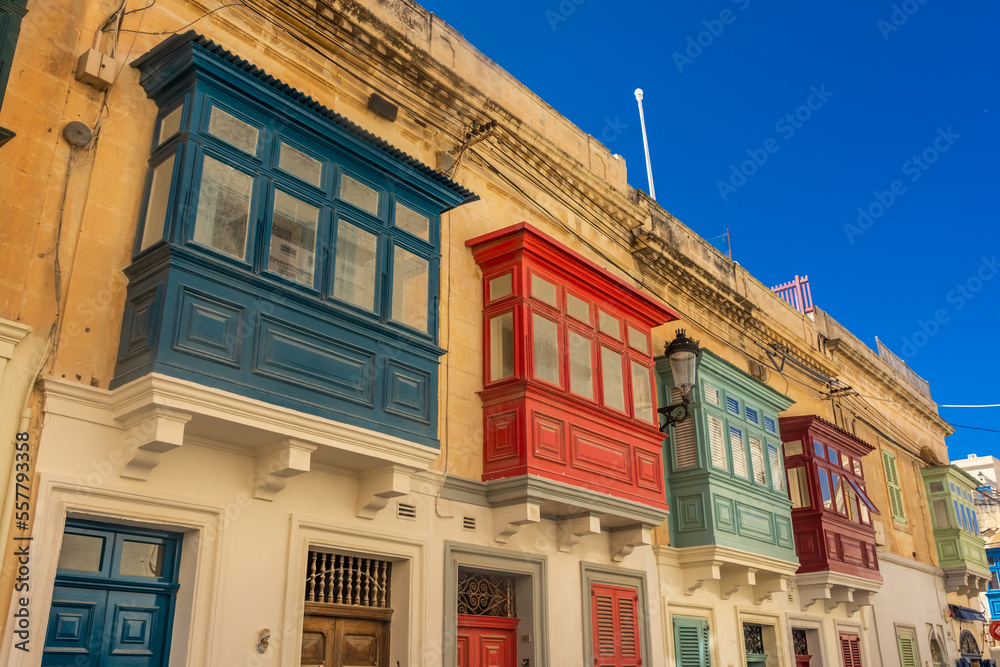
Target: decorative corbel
[[733, 580], [277, 465], [150, 433], [572, 530], [376, 488], [812, 593], [508, 519], [624, 542], [769, 584], [695, 576]]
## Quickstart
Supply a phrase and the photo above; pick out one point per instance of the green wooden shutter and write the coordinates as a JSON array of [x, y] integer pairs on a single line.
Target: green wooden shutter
[[717, 443], [691, 642], [892, 481], [684, 441], [907, 650]]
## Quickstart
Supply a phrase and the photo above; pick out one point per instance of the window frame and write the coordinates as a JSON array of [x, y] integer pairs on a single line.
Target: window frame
[[193, 143], [527, 306]]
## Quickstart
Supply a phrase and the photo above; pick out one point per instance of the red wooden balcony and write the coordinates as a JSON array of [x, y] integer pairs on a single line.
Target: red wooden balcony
[[568, 374]]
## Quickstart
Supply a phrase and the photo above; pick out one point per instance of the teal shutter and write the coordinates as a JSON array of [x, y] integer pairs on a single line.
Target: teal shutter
[[11, 13], [691, 642]]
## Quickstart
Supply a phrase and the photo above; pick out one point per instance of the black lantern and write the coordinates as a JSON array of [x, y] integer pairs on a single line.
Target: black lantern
[[682, 352]]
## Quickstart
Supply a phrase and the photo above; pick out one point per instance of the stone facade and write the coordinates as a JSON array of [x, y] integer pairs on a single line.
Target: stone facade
[[241, 495]]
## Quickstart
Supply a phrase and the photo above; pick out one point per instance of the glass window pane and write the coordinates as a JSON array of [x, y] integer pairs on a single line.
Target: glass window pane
[[609, 325], [297, 163], [354, 272], [501, 346], [611, 376], [415, 223], [501, 286], [818, 448], [824, 487], [233, 131], [141, 559], [359, 194], [642, 395], [293, 238], [581, 365], [941, 514], [798, 487], [577, 308], [711, 394], [171, 124], [410, 287], [82, 553], [543, 290], [833, 456], [156, 209], [546, 348], [857, 467], [852, 504], [838, 493], [774, 461], [638, 340], [793, 448], [223, 208]]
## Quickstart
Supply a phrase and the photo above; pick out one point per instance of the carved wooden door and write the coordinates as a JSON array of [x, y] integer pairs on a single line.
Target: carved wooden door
[[332, 641]]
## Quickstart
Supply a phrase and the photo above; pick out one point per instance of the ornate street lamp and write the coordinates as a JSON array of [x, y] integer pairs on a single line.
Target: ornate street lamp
[[682, 352]]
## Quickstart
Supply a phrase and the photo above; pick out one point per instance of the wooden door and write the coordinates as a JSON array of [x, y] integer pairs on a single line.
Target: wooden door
[[332, 641], [486, 641]]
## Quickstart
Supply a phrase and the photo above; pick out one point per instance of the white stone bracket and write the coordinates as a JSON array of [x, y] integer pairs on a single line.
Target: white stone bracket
[[811, 594], [277, 465], [150, 434], [733, 580], [377, 487], [508, 519], [695, 576], [624, 542], [571, 531], [769, 584]]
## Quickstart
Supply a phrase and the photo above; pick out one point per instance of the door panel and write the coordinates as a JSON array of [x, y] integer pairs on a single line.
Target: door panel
[[75, 619], [486, 641], [331, 641], [113, 597]]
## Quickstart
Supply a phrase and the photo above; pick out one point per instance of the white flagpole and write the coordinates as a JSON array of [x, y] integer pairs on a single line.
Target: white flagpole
[[645, 144]]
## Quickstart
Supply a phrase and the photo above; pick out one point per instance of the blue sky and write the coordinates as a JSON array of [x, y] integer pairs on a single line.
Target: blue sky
[[890, 107]]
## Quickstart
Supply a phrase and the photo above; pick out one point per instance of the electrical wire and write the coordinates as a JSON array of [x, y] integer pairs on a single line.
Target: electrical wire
[[977, 428], [188, 25], [995, 405]]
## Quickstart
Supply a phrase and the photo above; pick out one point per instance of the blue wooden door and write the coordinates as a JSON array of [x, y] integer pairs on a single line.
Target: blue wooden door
[[113, 600]]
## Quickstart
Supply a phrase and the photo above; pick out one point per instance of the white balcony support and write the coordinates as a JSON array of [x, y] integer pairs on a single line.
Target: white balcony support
[[149, 434], [571, 531], [508, 519], [279, 464], [624, 542], [377, 487]]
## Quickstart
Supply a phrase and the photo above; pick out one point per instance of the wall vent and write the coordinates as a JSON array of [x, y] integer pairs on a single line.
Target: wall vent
[[469, 522], [406, 511]]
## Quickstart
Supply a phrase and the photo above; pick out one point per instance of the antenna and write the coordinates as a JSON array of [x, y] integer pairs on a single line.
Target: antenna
[[645, 144]]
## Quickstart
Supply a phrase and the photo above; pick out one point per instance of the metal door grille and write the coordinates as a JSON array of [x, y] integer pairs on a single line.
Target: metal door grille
[[486, 595]]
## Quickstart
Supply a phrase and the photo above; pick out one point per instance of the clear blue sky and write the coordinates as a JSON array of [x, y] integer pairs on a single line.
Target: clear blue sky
[[905, 97]]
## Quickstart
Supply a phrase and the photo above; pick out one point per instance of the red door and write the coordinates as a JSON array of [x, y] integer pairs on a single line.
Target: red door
[[486, 641]]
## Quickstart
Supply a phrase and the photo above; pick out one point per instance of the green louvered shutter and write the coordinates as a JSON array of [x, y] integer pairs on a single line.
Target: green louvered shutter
[[892, 481], [907, 650], [691, 642]]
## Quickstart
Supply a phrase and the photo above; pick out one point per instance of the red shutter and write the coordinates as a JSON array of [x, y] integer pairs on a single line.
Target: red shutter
[[615, 618], [850, 646]]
